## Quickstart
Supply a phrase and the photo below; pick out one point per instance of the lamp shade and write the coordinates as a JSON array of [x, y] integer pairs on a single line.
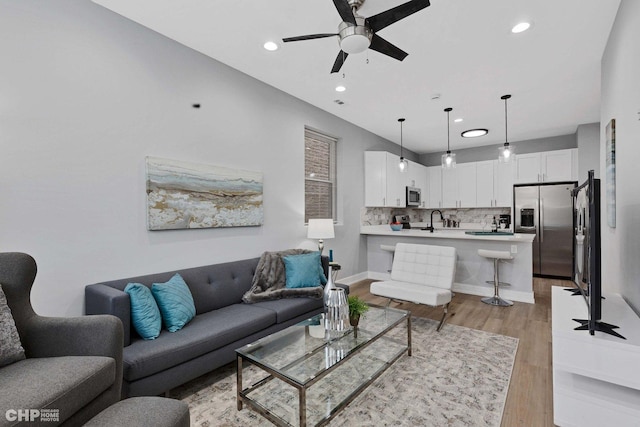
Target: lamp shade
[[320, 229]]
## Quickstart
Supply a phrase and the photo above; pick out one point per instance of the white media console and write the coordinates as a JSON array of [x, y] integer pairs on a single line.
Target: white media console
[[596, 378]]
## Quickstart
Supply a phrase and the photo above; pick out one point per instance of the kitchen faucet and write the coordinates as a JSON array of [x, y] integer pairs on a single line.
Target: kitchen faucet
[[430, 228]]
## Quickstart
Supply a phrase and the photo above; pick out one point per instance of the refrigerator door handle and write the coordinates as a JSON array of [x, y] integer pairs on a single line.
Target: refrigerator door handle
[[541, 220]]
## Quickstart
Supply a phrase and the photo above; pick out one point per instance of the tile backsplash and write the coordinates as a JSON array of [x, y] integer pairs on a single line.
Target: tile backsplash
[[380, 216]]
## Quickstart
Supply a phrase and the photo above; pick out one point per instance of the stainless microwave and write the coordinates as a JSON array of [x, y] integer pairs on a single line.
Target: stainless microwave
[[414, 197]]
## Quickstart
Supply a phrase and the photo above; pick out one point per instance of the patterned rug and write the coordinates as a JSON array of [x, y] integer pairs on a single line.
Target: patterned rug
[[457, 377]]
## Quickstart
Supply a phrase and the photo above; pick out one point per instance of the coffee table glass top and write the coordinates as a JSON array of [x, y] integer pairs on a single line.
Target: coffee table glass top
[[301, 353]]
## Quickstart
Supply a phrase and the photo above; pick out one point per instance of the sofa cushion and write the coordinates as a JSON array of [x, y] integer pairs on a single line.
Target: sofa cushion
[[411, 292], [67, 383], [175, 302], [205, 333], [10, 346], [290, 308], [145, 314], [302, 271]]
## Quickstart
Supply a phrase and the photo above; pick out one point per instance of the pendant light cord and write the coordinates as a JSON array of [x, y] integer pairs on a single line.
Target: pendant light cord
[[506, 137]]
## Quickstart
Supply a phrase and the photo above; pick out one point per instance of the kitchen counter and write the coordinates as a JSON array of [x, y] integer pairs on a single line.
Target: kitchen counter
[[472, 270], [443, 233]]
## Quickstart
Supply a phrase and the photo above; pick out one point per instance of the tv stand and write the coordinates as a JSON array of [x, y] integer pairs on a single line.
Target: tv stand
[[600, 326], [596, 380]]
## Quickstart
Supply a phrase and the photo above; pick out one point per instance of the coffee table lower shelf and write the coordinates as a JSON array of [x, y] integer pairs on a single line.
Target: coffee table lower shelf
[[299, 380], [274, 397]]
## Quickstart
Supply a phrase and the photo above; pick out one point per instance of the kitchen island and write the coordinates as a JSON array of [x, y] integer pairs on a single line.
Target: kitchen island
[[472, 270]]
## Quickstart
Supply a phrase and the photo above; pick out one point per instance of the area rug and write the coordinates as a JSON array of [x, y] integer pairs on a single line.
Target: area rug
[[455, 377]]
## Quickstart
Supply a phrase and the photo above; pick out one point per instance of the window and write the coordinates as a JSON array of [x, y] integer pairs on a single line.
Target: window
[[319, 176]]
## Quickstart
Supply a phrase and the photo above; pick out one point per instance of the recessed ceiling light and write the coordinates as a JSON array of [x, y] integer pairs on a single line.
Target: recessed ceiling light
[[271, 46], [474, 133], [340, 88], [458, 120], [520, 27]]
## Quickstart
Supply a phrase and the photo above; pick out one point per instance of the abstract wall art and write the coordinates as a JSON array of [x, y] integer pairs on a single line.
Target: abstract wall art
[[189, 195], [611, 172]]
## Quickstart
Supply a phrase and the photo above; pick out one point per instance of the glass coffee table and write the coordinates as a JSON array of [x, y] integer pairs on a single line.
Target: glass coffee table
[[297, 378]]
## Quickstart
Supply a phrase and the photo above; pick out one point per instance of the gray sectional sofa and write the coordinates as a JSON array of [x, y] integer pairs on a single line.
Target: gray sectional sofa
[[222, 324]]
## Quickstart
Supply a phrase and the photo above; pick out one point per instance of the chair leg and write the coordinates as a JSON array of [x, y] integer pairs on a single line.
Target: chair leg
[[444, 315]]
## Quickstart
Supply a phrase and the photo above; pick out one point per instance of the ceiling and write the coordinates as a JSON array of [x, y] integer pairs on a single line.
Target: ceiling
[[460, 50]]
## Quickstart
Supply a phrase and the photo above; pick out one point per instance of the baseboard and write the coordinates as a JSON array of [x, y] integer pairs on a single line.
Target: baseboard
[[505, 293], [350, 280], [463, 288]]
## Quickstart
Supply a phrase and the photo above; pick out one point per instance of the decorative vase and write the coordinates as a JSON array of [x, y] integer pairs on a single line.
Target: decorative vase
[[337, 314], [327, 287]]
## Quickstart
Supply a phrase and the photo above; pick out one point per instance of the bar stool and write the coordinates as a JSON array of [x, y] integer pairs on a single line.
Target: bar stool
[[389, 248], [496, 256]]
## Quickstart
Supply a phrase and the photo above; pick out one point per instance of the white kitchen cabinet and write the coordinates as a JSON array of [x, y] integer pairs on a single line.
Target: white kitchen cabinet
[[434, 178], [383, 181], [494, 184], [547, 166], [459, 186], [417, 176], [503, 183], [485, 183]]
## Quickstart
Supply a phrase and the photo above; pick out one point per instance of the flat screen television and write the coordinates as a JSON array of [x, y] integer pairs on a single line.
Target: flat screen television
[[586, 261]]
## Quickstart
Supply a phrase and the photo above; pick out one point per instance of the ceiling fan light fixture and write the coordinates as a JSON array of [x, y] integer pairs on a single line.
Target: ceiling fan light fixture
[[354, 38], [474, 133]]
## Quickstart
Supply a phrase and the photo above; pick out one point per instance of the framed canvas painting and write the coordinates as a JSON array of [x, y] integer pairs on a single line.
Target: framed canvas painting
[[184, 195]]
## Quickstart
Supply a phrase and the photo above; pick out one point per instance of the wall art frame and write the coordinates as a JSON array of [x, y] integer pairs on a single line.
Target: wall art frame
[[185, 195]]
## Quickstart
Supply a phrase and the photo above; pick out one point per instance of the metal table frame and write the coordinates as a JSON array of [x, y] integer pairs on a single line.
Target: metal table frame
[[242, 394]]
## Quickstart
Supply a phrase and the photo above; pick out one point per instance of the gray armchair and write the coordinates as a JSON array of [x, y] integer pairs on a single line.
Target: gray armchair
[[73, 365]]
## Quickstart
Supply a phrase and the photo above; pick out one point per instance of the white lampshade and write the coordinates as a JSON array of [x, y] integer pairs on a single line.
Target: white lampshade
[[320, 229]]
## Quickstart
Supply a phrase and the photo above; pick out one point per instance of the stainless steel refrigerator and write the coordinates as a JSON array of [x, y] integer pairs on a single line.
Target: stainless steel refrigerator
[[546, 210]]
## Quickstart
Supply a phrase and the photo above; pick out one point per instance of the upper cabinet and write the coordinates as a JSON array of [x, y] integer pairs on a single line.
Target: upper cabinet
[[494, 184], [382, 185], [548, 166], [459, 186], [385, 185], [434, 180]]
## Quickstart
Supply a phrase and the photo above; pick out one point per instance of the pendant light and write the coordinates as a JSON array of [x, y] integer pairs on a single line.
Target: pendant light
[[403, 162], [506, 152], [449, 158]]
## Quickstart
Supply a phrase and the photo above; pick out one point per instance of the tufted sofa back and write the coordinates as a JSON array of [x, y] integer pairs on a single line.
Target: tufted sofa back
[[424, 264]]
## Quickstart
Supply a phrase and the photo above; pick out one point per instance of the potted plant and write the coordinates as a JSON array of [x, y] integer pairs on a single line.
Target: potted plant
[[356, 308]]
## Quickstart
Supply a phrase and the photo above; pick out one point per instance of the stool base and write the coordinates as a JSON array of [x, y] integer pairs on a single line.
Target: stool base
[[497, 301]]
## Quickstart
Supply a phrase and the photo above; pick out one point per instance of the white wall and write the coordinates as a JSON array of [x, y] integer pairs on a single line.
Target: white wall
[[621, 100], [85, 95], [588, 137]]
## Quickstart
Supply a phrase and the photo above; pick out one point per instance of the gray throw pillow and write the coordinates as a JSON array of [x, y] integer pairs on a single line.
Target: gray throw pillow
[[10, 347]]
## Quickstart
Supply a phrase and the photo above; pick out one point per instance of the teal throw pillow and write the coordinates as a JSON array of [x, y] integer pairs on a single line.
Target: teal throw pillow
[[145, 314], [175, 302], [302, 271]]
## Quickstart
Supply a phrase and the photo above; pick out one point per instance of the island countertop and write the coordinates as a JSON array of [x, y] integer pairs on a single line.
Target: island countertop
[[440, 233]]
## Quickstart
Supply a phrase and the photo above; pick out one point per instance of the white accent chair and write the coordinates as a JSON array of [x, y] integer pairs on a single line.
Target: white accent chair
[[422, 274]]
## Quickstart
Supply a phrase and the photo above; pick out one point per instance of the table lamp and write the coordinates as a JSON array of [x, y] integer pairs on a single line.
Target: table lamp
[[320, 229]]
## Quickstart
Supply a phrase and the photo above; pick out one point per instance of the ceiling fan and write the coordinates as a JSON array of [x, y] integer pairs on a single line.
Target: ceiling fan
[[357, 33]]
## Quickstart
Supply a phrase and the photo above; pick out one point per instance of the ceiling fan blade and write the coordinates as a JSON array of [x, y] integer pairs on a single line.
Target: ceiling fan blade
[[345, 11], [308, 37], [388, 17], [381, 45], [342, 56]]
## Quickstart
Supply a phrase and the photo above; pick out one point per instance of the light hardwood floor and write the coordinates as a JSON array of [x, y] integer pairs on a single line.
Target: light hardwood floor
[[530, 399]]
